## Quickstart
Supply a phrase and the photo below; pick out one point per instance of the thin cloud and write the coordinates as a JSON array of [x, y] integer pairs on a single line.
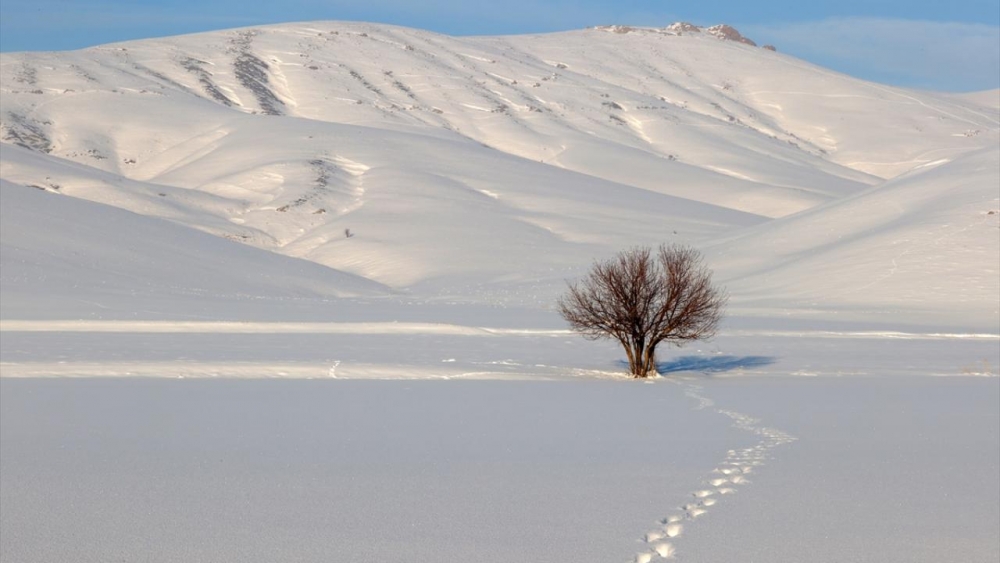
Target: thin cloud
[[920, 54]]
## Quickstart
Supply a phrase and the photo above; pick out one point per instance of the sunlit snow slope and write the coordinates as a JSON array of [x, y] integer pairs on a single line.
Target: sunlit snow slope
[[923, 245], [58, 249], [493, 166]]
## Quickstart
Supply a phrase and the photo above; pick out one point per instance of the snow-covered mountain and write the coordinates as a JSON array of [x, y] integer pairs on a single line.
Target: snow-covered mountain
[[489, 169]]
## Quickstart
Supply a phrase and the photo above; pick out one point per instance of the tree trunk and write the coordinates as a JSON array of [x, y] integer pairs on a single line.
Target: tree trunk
[[633, 358], [649, 361], [634, 353], [641, 359]]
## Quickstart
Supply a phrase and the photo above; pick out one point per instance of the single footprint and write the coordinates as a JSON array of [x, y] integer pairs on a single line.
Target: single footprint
[[664, 550], [673, 530], [671, 519]]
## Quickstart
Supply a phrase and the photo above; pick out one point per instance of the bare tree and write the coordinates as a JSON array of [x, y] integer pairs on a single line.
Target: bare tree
[[642, 301]]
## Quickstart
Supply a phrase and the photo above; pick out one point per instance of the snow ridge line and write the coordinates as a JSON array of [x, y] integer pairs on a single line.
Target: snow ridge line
[[293, 327], [873, 334], [264, 327], [731, 472]]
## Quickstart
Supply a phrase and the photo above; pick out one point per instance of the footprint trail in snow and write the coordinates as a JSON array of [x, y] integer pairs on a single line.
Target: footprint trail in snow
[[732, 473]]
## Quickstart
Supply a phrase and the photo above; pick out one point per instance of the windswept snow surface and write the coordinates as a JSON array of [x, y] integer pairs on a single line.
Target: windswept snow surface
[[356, 203]]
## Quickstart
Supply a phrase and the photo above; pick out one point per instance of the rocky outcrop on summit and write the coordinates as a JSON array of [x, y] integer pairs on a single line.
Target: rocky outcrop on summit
[[729, 33], [683, 27], [722, 31]]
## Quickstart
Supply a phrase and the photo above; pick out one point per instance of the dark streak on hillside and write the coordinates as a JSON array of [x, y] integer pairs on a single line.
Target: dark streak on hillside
[[252, 73], [25, 132], [400, 86], [83, 73], [364, 82], [194, 66], [161, 77], [324, 175], [27, 74]]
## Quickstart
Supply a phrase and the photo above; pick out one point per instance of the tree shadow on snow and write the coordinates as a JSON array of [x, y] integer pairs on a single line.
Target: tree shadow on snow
[[713, 364]]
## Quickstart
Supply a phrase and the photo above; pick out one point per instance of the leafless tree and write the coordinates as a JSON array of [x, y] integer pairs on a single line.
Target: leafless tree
[[642, 301]]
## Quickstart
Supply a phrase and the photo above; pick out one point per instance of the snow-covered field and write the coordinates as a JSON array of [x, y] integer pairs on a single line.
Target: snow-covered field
[[776, 469], [383, 206]]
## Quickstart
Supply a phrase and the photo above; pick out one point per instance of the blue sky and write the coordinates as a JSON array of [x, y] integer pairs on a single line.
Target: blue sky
[[953, 45]]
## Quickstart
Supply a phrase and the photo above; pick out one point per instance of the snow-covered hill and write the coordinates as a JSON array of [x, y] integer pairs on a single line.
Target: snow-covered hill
[[925, 245], [57, 250], [489, 169]]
